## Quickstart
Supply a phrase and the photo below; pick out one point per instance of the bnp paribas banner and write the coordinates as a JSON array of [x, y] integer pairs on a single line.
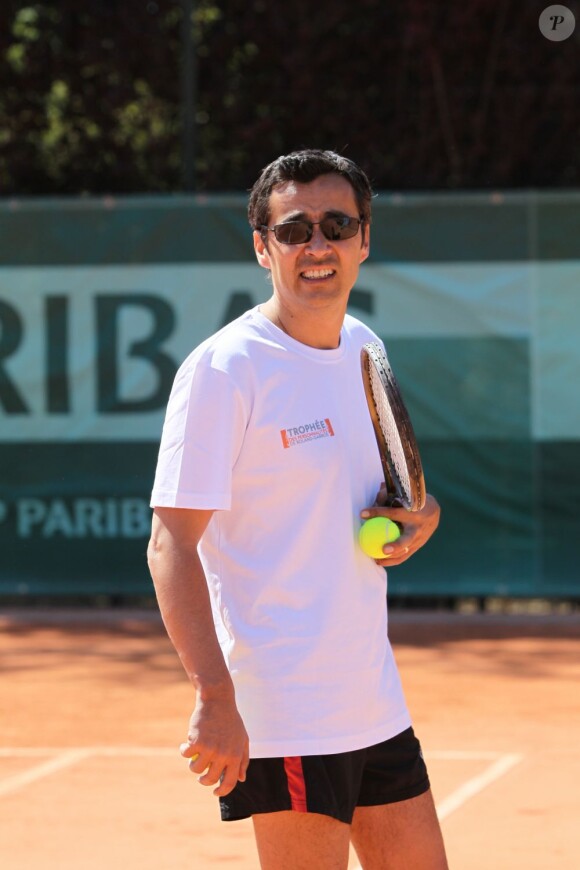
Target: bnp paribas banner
[[87, 359], [475, 297]]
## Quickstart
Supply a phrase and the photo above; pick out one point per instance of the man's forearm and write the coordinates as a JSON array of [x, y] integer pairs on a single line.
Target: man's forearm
[[183, 598]]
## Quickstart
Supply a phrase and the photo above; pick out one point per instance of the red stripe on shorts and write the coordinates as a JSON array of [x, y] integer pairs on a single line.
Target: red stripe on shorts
[[296, 784]]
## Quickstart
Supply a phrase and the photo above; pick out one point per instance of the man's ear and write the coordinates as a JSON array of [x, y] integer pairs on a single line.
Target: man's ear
[[366, 242], [261, 249]]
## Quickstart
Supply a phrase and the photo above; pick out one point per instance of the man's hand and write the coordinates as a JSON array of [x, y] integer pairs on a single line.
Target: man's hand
[[217, 743], [416, 528]]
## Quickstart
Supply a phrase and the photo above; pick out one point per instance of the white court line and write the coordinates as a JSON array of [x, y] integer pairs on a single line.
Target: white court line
[[463, 755], [65, 759], [111, 751], [499, 767], [473, 786]]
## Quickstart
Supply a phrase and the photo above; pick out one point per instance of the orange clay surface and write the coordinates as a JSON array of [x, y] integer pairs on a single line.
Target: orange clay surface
[[93, 706]]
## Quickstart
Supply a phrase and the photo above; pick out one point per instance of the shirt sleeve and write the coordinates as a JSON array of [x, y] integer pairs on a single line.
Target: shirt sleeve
[[202, 436]]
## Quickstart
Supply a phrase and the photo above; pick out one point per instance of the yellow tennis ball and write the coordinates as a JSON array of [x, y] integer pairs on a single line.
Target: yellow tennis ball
[[375, 533]]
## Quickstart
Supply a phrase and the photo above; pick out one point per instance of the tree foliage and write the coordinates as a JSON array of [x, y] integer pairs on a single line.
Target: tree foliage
[[424, 95]]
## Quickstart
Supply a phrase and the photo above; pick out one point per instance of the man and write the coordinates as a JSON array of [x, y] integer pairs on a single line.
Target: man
[[267, 462]]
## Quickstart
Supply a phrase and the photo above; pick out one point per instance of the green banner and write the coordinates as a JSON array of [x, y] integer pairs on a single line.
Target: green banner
[[475, 297]]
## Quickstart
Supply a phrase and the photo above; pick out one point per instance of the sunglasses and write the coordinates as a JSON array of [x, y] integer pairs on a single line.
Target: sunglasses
[[335, 229]]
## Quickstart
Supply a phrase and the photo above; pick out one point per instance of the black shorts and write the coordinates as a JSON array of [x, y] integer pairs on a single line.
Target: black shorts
[[331, 784]]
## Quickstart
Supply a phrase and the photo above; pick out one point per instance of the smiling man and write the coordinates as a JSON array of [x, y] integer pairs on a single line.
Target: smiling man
[[267, 459]]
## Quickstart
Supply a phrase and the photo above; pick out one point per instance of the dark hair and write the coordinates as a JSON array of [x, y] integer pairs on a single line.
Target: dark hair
[[304, 167]]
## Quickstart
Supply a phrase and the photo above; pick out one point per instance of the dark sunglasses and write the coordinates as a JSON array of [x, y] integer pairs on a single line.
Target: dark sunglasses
[[335, 229]]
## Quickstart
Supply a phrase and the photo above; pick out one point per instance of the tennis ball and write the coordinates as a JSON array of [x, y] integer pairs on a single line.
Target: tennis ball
[[375, 533]]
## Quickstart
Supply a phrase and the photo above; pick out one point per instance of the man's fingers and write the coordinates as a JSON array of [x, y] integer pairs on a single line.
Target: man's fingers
[[188, 750], [396, 553], [228, 781], [396, 559], [396, 514], [213, 774], [218, 769], [197, 764], [226, 775], [244, 766]]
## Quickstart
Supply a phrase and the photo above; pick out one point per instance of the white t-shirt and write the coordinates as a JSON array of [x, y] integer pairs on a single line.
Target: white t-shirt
[[276, 437]]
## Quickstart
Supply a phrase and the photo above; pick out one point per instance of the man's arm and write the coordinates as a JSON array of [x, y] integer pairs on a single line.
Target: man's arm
[[216, 731]]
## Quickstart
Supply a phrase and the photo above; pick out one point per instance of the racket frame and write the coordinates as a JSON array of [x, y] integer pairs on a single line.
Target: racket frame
[[372, 354]]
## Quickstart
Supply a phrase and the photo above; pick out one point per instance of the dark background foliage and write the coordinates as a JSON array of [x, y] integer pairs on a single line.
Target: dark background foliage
[[426, 95]]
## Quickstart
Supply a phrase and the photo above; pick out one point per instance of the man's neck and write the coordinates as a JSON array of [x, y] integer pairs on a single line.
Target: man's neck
[[320, 329]]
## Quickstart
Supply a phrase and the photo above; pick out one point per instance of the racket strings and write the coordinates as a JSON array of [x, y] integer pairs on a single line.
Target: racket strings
[[390, 431]]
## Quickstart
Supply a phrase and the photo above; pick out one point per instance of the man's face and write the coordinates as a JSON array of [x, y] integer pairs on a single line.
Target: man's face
[[319, 271]]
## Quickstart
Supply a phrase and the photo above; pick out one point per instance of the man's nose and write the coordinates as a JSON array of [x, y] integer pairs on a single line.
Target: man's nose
[[318, 242]]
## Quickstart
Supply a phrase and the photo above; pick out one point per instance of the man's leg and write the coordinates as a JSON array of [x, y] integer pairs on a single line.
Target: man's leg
[[301, 841], [399, 836]]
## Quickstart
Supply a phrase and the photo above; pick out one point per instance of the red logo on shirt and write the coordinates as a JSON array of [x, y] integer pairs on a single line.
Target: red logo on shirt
[[307, 432]]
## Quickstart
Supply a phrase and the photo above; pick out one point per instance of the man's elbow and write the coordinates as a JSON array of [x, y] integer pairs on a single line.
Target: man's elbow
[[155, 552]]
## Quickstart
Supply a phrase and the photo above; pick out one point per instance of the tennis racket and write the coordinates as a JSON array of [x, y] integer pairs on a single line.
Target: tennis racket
[[395, 437]]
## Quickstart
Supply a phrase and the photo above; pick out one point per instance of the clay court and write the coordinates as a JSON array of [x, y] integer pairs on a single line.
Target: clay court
[[94, 706]]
